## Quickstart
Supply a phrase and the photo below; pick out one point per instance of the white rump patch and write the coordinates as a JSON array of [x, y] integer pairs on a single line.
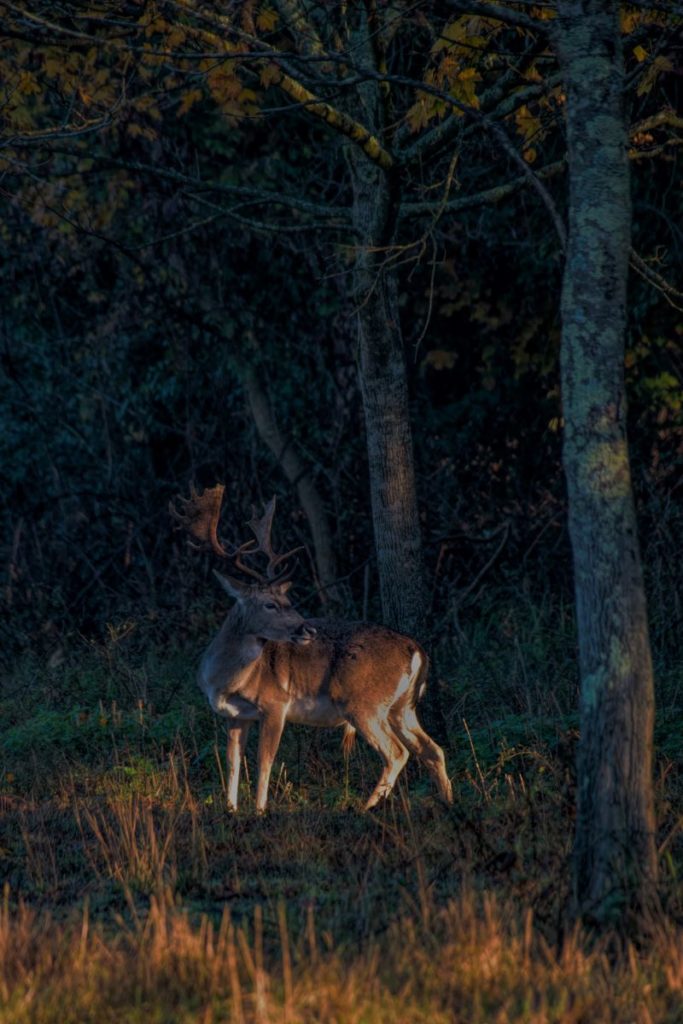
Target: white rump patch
[[406, 681]]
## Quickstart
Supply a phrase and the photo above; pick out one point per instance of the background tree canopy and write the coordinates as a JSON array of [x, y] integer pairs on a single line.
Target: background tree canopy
[[176, 209]]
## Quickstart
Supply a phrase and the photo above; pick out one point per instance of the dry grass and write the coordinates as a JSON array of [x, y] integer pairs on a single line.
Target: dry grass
[[473, 962], [132, 895]]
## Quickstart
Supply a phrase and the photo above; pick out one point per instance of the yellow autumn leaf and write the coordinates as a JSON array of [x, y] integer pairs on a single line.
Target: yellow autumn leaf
[[658, 65], [147, 105], [451, 33], [416, 116], [528, 125], [267, 19], [530, 154], [142, 131], [188, 101], [629, 20], [270, 74], [640, 53], [425, 110], [54, 66], [464, 91], [176, 37], [155, 24], [27, 84]]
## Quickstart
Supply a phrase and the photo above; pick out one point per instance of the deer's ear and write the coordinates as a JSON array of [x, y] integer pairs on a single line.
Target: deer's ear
[[233, 587], [284, 587]]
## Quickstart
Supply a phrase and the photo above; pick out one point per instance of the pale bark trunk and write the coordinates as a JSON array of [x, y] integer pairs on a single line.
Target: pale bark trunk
[[386, 408], [382, 368], [615, 866]]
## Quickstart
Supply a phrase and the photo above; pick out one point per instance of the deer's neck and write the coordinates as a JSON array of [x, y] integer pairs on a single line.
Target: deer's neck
[[237, 641], [230, 658]]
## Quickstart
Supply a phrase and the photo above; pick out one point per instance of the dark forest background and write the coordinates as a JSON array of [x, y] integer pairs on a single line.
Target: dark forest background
[[225, 228], [130, 311]]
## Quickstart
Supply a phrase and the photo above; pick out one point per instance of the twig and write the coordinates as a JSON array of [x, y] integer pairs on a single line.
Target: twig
[[656, 280], [476, 761]]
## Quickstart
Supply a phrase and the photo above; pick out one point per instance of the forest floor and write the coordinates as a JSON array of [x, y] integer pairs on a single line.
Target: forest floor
[[130, 894]]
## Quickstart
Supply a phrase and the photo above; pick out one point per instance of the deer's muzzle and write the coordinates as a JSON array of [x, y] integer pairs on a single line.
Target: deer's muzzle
[[305, 634]]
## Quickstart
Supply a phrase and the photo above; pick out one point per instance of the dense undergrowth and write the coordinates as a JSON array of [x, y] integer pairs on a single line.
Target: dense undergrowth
[[130, 894]]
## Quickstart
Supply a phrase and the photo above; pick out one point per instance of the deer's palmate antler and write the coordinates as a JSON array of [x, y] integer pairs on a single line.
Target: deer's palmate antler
[[268, 664], [200, 515]]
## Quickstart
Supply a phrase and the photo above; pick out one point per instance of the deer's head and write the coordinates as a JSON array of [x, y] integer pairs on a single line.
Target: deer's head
[[265, 609]]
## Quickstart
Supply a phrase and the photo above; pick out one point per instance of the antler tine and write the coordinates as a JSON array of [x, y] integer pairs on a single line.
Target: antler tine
[[249, 547], [261, 529], [199, 515]]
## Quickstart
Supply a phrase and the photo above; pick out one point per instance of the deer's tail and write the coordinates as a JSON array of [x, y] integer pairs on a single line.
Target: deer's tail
[[420, 687], [348, 739]]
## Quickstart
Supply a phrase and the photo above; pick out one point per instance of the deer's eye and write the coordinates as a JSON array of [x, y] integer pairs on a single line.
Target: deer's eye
[[270, 607]]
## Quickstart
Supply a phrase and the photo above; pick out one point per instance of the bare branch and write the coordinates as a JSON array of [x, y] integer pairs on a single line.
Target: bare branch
[[665, 6], [68, 131], [341, 122], [251, 195], [655, 279], [486, 197], [534, 180], [305, 35], [505, 14], [666, 117], [442, 134]]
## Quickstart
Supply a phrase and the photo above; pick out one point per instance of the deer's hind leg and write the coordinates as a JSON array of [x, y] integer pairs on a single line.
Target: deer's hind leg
[[382, 738], [408, 730]]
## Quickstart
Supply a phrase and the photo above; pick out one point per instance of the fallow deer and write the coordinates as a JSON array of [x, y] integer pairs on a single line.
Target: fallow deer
[[270, 665]]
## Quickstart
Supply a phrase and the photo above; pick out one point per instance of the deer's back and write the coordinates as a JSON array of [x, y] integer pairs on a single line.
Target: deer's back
[[348, 662]]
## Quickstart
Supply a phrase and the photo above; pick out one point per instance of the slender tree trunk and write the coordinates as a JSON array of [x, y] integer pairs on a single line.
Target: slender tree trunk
[[615, 867], [300, 476], [385, 405], [382, 364]]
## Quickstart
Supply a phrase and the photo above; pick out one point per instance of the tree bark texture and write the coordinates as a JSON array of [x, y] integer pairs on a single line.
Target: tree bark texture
[[385, 404], [383, 378], [299, 474], [615, 865]]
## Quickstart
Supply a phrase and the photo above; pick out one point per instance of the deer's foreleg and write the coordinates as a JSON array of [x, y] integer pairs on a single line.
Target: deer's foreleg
[[237, 743], [272, 724]]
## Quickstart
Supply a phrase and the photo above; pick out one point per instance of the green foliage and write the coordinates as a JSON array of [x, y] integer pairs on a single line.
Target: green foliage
[[113, 814]]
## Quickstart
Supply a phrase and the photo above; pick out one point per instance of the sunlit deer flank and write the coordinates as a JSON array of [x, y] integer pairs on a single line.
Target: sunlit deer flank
[[269, 665]]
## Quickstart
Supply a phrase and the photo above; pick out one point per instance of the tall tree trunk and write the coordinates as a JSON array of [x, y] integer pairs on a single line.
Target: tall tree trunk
[[382, 364], [300, 476], [385, 404], [615, 867]]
